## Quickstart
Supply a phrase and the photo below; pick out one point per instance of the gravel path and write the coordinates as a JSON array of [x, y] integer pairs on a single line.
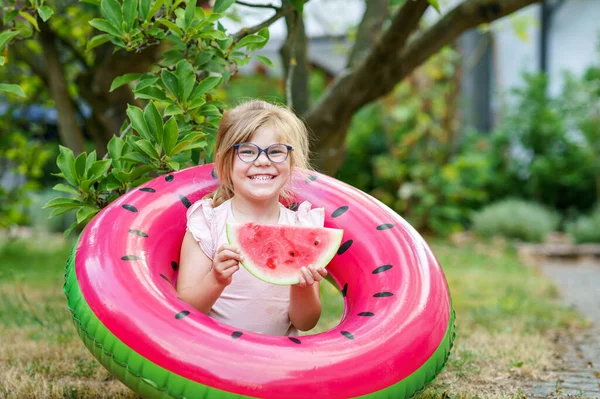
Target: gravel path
[[579, 372]]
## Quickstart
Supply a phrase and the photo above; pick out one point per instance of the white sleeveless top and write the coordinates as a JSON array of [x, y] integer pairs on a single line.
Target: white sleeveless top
[[248, 303]]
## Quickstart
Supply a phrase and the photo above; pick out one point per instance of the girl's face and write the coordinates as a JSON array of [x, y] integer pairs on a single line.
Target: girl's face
[[262, 179]]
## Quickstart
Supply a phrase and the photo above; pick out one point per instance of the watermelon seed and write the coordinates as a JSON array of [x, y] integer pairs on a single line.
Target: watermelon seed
[[347, 335], [340, 211], [317, 242], [383, 294], [130, 208], [345, 290], [174, 265], [236, 334], [182, 314], [344, 247], [381, 269], [295, 340], [130, 257], [185, 201], [292, 254], [385, 226], [166, 278], [148, 189], [138, 233], [366, 314], [169, 178]]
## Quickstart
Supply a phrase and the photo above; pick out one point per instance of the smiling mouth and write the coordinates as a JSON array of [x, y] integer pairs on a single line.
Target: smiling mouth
[[261, 177]]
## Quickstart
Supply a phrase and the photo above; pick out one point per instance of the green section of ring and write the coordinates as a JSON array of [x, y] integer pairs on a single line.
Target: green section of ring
[[152, 381]]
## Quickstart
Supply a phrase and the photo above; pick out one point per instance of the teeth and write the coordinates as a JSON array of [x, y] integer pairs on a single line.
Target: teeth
[[263, 178]]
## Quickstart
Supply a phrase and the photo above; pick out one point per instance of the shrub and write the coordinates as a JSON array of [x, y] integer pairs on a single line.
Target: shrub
[[586, 228], [516, 219]]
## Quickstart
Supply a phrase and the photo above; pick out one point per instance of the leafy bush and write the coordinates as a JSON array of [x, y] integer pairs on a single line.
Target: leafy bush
[[585, 229], [516, 219]]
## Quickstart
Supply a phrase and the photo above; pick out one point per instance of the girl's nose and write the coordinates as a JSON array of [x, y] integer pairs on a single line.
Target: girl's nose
[[262, 159]]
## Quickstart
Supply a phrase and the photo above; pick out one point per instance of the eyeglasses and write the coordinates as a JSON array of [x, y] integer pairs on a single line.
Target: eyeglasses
[[249, 152]]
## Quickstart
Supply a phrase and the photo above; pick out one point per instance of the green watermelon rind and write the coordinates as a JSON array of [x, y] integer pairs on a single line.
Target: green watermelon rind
[[152, 381], [324, 259]]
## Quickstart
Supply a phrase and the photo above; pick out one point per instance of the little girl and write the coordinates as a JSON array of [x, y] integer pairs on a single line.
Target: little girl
[[258, 147]]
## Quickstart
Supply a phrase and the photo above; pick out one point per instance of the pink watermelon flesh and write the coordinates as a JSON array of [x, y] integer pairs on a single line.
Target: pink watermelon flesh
[[275, 253]]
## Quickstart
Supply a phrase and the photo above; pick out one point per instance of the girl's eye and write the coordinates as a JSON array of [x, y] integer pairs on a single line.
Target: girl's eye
[[248, 152], [275, 152]]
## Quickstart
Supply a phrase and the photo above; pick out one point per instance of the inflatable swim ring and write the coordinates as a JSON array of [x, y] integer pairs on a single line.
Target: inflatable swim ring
[[394, 337]]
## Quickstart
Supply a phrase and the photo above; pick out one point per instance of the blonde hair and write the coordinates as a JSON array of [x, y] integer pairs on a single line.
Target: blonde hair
[[239, 125]]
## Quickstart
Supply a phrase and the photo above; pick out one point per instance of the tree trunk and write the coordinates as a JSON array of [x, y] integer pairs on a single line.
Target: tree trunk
[[68, 128], [393, 58]]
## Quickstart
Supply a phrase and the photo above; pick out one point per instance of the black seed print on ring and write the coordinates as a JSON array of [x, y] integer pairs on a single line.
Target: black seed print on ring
[[366, 314], [213, 173], [169, 178], [148, 189], [344, 247], [166, 278], [182, 314], [293, 206], [383, 294], [130, 257], [130, 208], [345, 290], [295, 340], [138, 233], [382, 269], [340, 211], [385, 226], [174, 265], [347, 335], [185, 201], [311, 178], [236, 334]]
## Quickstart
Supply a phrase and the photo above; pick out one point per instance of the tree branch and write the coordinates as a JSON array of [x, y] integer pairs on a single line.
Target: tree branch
[[369, 29], [243, 3], [393, 58], [281, 12]]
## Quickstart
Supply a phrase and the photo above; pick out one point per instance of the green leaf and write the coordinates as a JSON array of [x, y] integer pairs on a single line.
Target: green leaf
[[265, 60], [185, 146], [154, 122], [135, 157], [214, 34], [80, 165], [157, 5], [170, 81], [222, 5], [136, 116], [250, 39], [124, 79], [147, 148], [92, 2], [171, 135], [145, 8], [129, 13], [147, 80], [62, 202], [99, 168], [111, 9], [70, 229], [60, 210], [205, 86], [173, 165], [105, 26], [66, 164], [12, 88], [435, 4], [65, 188], [115, 147], [173, 109], [1, 60], [45, 12], [190, 11], [173, 27], [91, 158], [298, 5], [85, 212], [30, 19], [151, 93], [97, 41], [10, 16], [186, 79]]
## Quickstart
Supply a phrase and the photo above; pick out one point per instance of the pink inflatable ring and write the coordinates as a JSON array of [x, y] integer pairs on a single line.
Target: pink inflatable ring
[[394, 338]]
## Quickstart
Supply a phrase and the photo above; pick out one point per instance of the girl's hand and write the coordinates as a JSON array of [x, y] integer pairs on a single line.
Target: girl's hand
[[311, 274], [225, 263]]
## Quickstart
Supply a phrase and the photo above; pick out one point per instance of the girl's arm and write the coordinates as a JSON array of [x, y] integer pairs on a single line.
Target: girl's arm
[[305, 300], [199, 283]]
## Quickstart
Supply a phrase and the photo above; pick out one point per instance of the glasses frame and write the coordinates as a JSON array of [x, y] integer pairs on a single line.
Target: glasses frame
[[236, 147]]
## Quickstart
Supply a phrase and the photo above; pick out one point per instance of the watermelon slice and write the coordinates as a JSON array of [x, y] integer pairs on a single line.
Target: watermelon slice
[[275, 253]]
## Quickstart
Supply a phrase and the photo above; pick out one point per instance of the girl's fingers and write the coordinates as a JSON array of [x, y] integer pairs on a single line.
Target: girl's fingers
[[221, 267], [229, 254], [307, 276], [301, 281], [230, 270], [322, 271]]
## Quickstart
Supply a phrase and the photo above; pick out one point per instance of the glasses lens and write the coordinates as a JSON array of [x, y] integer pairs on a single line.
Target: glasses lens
[[278, 153], [247, 152]]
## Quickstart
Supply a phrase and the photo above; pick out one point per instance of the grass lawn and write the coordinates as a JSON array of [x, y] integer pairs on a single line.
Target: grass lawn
[[507, 316]]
